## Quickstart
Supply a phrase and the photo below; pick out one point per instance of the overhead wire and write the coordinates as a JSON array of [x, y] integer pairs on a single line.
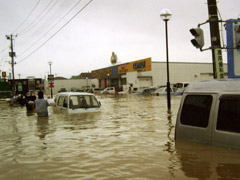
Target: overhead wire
[[40, 28], [27, 16], [54, 16], [50, 28], [56, 32], [21, 24], [37, 19], [2, 60]]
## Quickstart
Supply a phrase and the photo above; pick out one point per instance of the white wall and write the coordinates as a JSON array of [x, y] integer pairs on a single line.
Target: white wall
[[178, 72], [182, 72]]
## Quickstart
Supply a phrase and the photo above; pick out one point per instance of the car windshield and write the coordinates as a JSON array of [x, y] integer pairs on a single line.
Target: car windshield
[[80, 101]]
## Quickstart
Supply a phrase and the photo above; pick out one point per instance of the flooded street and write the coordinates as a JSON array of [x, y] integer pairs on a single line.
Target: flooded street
[[131, 138]]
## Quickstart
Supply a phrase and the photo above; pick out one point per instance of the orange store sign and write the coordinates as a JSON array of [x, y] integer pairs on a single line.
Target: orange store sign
[[139, 65]]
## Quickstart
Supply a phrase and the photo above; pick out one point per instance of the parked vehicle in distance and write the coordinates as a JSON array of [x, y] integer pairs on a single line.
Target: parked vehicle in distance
[[62, 90], [95, 90], [108, 90], [76, 102], [209, 113], [145, 91], [181, 85], [161, 91], [76, 90], [179, 92], [179, 88]]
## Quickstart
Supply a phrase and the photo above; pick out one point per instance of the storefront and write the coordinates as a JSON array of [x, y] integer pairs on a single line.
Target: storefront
[[115, 76], [147, 73]]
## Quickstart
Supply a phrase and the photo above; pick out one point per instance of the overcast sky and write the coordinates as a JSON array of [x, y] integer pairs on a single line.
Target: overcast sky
[[82, 38]]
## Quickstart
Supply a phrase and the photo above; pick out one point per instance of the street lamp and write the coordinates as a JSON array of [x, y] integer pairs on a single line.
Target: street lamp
[[50, 64], [166, 15], [87, 81]]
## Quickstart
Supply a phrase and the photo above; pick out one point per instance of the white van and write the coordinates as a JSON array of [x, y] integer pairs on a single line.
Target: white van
[[209, 113], [76, 102]]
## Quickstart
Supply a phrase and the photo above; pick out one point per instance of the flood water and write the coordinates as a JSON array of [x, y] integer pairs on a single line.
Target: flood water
[[131, 138]]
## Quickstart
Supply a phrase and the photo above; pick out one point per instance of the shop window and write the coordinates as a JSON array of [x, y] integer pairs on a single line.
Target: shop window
[[196, 110], [229, 113]]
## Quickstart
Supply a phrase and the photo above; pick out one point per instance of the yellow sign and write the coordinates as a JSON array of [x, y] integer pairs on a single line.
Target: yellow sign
[[4, 74], [99, 74], [140, 65]]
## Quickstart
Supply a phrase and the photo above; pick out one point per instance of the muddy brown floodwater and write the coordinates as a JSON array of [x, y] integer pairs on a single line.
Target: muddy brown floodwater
[[131, 138]]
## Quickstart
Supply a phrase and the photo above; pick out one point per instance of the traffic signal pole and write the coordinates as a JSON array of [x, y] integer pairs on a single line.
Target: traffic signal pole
[[218, 72]]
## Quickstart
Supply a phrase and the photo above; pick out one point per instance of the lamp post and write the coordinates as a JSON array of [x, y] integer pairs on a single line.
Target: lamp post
[[50, 64], [87, 82], [166, 16]]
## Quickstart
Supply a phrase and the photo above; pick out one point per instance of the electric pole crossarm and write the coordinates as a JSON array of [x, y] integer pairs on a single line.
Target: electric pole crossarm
[[12, 54]]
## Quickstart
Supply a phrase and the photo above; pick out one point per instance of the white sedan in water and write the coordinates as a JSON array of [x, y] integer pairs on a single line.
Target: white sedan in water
[[76, 102], [162, 91]]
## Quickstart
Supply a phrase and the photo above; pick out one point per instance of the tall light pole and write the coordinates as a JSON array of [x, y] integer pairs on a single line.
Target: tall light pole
[[50, 64], [166, 16]]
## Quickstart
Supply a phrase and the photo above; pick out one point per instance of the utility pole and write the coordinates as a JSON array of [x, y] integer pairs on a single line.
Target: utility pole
[[12, 54], [218, 71]]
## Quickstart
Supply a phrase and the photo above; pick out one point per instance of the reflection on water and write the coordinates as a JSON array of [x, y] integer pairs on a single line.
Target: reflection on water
[[42, 127], [204, 162], [131, 138]]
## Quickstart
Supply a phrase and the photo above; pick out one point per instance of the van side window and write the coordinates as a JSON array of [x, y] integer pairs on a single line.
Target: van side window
[[65, 102], [60, 101], [196, 110], [229, 113]]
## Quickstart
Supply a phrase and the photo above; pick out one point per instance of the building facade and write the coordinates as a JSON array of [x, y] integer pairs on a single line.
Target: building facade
[[147, 73]]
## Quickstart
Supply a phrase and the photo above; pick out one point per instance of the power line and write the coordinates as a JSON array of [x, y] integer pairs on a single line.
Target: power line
[[27, 16], [41, 24], [38, 40], [57, 13], [36, 20], [56, 32]]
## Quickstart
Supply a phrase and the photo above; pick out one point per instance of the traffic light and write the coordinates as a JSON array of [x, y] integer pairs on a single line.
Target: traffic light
[[198, 42], [237, 36]]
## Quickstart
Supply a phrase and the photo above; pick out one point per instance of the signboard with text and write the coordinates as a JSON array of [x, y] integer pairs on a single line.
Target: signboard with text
[[50, 77], [114, 71], [139, 65]]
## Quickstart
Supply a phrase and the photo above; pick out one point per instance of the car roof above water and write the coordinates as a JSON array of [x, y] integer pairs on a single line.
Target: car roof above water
[[75, 93], [214, 86]]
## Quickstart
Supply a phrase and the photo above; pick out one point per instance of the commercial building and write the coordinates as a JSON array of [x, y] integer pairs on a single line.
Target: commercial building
[[147, 73]]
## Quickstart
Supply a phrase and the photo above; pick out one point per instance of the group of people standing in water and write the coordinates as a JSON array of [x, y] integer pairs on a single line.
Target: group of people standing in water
[[40, 105]]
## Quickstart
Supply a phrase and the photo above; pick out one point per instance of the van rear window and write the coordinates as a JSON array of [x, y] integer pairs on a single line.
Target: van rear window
[[229, 113], [196, 110]]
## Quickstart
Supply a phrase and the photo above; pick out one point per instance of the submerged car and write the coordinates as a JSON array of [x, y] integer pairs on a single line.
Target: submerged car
[[108, 90], [76, 102], [145, 91], [209, 113], [161, 91]]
